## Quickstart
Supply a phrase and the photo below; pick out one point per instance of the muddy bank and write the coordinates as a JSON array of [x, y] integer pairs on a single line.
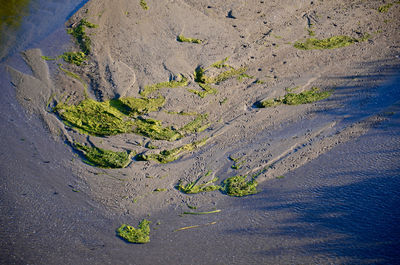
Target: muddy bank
[[186, 91]]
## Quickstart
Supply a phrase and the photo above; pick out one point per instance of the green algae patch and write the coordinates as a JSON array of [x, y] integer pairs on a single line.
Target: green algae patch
[[182, 38], [220, 64], [243, 76], [167, 156], [329, 43], [138, 235], [205, 81], [202, 213], [144, 5], [170, 84], [136, 106], [227, 75], [385, 8], [305, 97], [199, 124], [93, 117], [76, 58], [48, 58], [194, 186], [103, 158], [155, 130], [78, 32], [206, 90], [237, 162], [238, 186]]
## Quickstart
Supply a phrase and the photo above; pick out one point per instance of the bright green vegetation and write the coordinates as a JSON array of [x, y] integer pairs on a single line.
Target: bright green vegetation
[[238, 186], [167, 156], [95, 118], [182, 38], [205, 81], [138, 235], [310, 32], [227, 74], [154, 129], [170, 84], [201, 213], [197, 125], [237, 164], [385, 8], [47, 58], [194, 187], [76, 58], [144, 5], [329, 43], [78, 32], [243, 76], [207, 89], [220, 64], [280, 177], [106, 118], [103, 158], [136, 106], [304, 97]]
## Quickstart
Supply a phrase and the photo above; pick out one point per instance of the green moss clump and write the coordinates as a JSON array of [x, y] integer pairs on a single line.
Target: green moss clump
[[153, 129], [238, 186], [227, 74], [204, 81], [207, 90], [78, 32], [385, 8], [103, 158], [304, 97], [220, 64], [194, 187], [170, 84], [329, 43], [136, 106], [199, 124], [47, 58], [144, 5], [93, 117], [237, 163], [167, 156], [138, 235], [243, 76], [76, 58], [182, 38]]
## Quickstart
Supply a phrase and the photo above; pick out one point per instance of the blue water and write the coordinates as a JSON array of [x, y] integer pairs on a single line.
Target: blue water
[[44, 17]]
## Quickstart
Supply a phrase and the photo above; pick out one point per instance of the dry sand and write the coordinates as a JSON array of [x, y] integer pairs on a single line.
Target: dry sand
[[132, 48]]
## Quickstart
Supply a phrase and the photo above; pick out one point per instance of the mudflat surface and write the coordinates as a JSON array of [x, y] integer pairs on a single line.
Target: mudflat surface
[[329, 169]]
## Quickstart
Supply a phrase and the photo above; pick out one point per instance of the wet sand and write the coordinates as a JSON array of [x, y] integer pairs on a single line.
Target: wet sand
[[339, 157]]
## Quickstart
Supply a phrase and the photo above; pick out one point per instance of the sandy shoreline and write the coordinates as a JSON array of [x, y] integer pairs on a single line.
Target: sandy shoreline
[[133, 48]]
